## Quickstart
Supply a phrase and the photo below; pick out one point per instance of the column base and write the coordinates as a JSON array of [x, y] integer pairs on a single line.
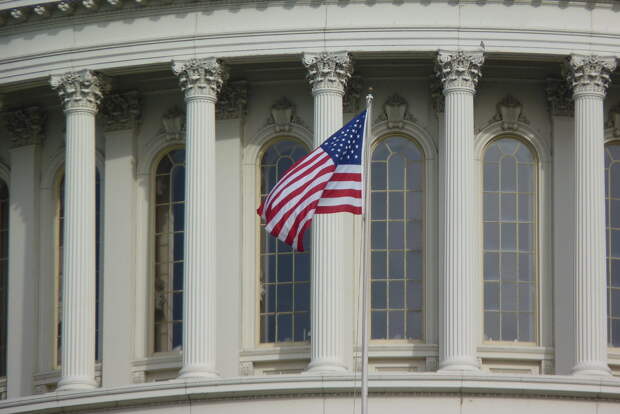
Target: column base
[[592, 368], [325, 367], [197, 372], [459, 364], [76, 384]]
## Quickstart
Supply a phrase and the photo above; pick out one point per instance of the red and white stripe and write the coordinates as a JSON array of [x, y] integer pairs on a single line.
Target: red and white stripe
[[312, 185]]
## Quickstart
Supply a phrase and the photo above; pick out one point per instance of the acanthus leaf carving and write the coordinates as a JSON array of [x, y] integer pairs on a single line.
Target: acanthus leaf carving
[[232, 102], [396, 112], [200, 77], [589, 73], [328, 70], [121, 111], [284, 115], [437, 96], [353, 95], [559, 98], [82, 89], [459, 69], [173, 124], [510, 113], [26, 126]]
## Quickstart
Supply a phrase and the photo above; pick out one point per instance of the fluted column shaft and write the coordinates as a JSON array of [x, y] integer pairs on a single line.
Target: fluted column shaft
[[459, 73], [328, 74], [201, 80], [81, 93], [589, 76]]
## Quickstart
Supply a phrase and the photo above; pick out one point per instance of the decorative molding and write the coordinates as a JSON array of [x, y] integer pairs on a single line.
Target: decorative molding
[[353, 98], [432, 363], [202, 77], [79, 90], [459, 69], [26, 126], [122, 111], [232, 102], [328, 70], [395, 112], [613, 121], [559, 98], [589, 74], [509, 113], [284, 115], [173, 124]]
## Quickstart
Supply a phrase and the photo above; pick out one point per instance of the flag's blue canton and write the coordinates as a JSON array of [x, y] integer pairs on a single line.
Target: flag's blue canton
[[345, 146]]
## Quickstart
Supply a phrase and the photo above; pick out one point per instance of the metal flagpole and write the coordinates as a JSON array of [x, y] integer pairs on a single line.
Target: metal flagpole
[[365, 249]]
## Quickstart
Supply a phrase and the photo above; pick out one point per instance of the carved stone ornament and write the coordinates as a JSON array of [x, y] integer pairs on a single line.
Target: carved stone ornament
[[459, 69], [26, 126], [200, 77], [283, 115], [79, 90], [173, 124], [353, 95], [437, 97], [233, 101], [246, 368], [559, 98], [510, 113], [328, 70], [121, 111], [589, 74], [614, 120], [395, 112]]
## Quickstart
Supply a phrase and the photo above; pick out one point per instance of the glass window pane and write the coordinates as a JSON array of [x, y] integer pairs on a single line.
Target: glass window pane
[[526, 327], [285, 297], [379, 205], [285, 327], [415, 205], [378, 325], [491, 266], [396, 235], [396, 295], [397, 324], [508, 174], [509, 326], [615, 181], [526, 298], [414, 296], [396, 172], [396, 265], [414, 325], [397, 205], [378, 295], [268, 328], [414, 235], [378, 179], [381, 152], [378, 265], [302, 327], [508, 267], [285, 267], [491, 176], [491, 296], [302, 267], [491, 326], [415, 176], [509, 236], [525, 207], [525, 237], [491, 206], [525, 178], [508, 207], [302, 297], [491, 236], [508, 296], [379, 235]]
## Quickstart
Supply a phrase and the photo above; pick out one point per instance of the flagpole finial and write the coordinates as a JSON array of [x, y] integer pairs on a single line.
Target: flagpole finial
[[370, 96]]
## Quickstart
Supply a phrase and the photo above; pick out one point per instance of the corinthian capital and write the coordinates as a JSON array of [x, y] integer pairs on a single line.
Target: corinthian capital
[[459, 69], [328, 70], [26, 126], [200, 77], [79, 90], [589, 74], [121, 111]]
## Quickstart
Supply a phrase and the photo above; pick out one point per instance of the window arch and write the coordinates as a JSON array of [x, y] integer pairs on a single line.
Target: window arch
[[397, 234], [168, 239], [510, 247], [284, 282], [60, 216], [4, 272], [612, 207]]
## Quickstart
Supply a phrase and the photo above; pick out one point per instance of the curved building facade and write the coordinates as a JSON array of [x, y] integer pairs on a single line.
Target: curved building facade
[[139, 137]]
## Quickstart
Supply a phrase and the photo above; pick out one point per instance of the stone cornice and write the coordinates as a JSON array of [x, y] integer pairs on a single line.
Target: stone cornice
[[200, 77], [589, 74], [79, 90], [121, 111], [328, 71], [459, 69], [26, 126]]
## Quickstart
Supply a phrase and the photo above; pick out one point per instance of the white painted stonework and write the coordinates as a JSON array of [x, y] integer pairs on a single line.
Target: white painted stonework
[[225, 80]]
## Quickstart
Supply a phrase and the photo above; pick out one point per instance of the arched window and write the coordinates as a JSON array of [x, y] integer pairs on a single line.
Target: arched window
[[397, 234], [509, 217], [612, 207], [169, 191], [60, 216], [4, 273], [284, 274]]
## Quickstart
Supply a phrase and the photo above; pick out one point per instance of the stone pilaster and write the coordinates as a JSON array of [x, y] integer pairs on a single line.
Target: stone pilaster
[[26, 132], [459, 73], [328, 75], [201, 80], [589, 77], [81, 93]]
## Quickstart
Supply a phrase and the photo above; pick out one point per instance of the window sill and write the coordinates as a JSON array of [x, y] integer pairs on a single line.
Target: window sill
[[158, 367]]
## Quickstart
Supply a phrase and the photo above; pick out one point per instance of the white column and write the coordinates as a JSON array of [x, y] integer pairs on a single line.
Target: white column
[[201, 80], [589, 77], [121, 113], [459, 73], [26, 128], [80, 93], [328, 75]]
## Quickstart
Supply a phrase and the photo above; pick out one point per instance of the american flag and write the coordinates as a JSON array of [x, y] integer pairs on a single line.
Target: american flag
[[328, 180]]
